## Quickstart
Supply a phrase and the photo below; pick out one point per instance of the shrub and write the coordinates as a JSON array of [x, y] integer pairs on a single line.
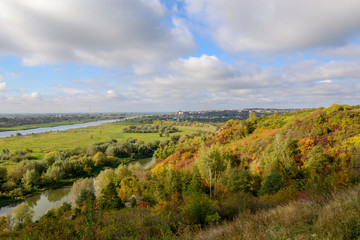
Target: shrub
[[197, 209], [273, 183], [54, 174]]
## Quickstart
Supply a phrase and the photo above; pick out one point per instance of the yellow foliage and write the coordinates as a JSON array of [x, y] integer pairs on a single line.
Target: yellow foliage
[[50, 154], [354, 141], [161, 168], [128, 186]]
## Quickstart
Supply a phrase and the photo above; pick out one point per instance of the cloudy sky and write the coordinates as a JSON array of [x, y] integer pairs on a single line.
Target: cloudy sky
[[170, 55]]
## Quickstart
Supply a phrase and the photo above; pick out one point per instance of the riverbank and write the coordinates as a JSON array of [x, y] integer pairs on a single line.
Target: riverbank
[[51, 124], [48, 196], [56, 128], [82, 137], [5, 201]]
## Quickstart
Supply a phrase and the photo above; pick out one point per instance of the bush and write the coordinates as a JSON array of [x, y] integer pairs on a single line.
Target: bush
[[99, 159], [198, 209], [273, 183], [54, 174]]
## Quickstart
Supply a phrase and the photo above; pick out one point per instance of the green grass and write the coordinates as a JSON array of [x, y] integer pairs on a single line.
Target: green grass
[[83, 137], [52, 124]]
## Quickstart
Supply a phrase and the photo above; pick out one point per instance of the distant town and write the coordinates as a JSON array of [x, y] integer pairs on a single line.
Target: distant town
[[220, 115]]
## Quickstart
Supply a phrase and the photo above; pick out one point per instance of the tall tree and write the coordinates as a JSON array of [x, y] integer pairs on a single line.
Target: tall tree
[[109, 198], [211, 163]]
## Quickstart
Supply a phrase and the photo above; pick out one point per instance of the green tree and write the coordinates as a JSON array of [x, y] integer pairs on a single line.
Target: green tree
[[236, 179], [31, 178], [86, 196], [109, 198], [78, 186], [3, 173], [252, 115], [135, 167], [122, 171], [22, 214], [273, 183], [103, 179], [278, 158], [198, 209], [54, 174], [211, 163], [195, 185]]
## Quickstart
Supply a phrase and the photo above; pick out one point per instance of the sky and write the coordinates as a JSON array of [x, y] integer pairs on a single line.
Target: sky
[[171, 55]]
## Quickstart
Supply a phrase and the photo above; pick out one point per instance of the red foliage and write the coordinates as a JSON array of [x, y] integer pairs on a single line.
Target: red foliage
[[143, 204]]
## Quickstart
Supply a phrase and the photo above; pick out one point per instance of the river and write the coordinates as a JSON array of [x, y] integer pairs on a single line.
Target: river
[[57, 128], [40, 203]]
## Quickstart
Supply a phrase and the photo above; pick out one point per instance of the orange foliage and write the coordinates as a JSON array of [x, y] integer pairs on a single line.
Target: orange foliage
[[305, 145], [143, 204]]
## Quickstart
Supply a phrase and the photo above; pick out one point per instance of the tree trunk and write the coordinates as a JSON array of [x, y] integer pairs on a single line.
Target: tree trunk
[[210, 178], [215, 183]]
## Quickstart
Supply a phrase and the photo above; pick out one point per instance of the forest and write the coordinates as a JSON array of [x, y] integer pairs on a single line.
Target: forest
[[283, 176]]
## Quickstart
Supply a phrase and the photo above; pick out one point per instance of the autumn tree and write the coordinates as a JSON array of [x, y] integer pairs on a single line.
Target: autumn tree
[[103, 179], [211, 163], [78, 186], [99, 159]]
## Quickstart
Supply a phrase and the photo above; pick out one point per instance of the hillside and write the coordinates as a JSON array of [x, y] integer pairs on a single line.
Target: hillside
[[308, 148], [284, 176]]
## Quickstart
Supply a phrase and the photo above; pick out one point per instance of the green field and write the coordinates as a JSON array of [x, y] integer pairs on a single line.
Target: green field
[[51, 124], [83, 137]]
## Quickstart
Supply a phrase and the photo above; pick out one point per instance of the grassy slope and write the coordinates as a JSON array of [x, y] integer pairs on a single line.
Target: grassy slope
[[335, 216]]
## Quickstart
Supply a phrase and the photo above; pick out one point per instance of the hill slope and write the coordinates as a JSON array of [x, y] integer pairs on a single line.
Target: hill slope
[[283, 176]]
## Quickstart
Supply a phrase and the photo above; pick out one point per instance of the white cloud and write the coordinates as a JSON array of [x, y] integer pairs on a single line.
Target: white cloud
[[32, 97], [277, 25], [203, 67], [3, 86], [326, 81], [332, 70], [112, 32], [111, 94], [200, 82], [203, 82]]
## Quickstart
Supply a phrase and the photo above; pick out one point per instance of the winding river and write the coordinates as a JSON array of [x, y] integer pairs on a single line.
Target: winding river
[[57, 128], [40, 203]]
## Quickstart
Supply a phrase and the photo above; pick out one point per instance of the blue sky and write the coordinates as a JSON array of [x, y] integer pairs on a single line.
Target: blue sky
[[153, 55]]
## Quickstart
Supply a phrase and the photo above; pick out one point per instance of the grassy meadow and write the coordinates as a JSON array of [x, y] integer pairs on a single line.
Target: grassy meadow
[[50, 124], [44, 142]]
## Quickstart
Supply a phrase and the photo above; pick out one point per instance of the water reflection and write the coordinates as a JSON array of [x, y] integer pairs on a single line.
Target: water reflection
[[40, 203], [54, 198], [33, 200], [146, 162]]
